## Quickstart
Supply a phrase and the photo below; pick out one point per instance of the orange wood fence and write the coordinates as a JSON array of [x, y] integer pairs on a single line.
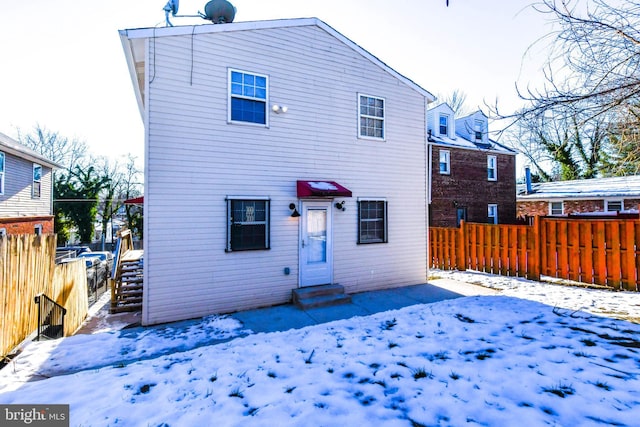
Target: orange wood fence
[[596, 251]]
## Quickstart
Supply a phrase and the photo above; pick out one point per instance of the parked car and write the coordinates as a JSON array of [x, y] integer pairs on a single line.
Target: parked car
[[70, 251]]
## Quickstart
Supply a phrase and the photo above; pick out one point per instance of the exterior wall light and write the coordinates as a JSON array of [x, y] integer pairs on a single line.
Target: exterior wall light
[[294, 211], [340, 206], [279, 108]]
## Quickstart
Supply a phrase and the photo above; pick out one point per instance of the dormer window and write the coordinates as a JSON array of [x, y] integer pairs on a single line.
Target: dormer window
[[479, 130], [444, 124]]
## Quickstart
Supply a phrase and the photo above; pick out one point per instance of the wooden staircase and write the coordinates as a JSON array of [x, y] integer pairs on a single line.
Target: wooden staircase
[[127, 284], [320, 296]]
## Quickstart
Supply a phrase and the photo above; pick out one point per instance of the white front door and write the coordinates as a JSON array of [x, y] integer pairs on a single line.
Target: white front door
[[316, 243]]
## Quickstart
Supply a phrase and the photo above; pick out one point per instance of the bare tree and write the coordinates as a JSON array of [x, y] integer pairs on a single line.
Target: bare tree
[[457, 100], [592, 88], [68, 153]]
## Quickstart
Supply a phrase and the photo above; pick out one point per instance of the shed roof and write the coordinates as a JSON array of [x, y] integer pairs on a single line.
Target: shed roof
[[583, 189]]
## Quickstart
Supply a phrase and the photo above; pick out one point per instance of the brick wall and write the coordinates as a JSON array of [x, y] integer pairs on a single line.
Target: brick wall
[[467, 187], [27, 225], [534, 208]]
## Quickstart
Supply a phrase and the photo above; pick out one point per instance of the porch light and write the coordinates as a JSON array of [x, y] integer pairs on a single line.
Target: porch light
[[294, 211]]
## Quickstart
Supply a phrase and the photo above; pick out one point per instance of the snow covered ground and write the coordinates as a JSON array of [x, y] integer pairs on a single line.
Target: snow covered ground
[[534, 354]]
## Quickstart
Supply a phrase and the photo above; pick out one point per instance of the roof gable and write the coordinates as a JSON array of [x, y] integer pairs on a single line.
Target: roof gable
[[15, 148], [133, 42]]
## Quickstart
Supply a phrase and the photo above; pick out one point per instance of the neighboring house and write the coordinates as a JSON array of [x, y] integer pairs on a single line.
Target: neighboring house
[[603, 195], [26, 189], [472, 177], [278, 154]]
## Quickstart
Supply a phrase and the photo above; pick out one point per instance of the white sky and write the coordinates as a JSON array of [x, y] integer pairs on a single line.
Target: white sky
[[534, 354], [62, 63]]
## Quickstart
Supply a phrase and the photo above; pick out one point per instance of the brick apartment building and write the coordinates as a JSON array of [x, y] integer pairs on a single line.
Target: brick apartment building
[[472, 177]]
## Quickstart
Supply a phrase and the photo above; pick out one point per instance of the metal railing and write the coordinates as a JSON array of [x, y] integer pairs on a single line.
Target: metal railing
[[50, 318]]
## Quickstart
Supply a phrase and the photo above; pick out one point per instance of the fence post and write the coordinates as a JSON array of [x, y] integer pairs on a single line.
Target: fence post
[[536, 260], [462, 247]]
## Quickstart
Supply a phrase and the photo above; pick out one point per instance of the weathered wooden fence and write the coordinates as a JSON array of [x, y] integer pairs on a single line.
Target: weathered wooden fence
[[27, 268], [596, 251]]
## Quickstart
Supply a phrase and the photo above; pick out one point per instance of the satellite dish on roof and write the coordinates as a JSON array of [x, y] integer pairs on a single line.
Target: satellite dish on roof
[[219, 12], [171, 7]]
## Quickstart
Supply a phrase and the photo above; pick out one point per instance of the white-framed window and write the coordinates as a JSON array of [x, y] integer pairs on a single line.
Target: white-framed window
[[443, 125], [247, 224], [372, 221], [371, 117], [492, 169], [478, 129], [37, 230], [613, 205], [248, 97], [556, 208], [492, 213], [445, 162], [37, 181], [1, 172]]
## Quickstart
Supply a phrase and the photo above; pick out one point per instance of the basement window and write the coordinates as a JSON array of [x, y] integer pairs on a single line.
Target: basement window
[[613, 205], [556, 208]]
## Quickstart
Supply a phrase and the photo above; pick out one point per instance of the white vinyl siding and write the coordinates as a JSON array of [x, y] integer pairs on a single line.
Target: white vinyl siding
[[194, 159], [17, 198]]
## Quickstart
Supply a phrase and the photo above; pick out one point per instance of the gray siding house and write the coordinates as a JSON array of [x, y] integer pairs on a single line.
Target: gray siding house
[[278, 155], [26, 189]]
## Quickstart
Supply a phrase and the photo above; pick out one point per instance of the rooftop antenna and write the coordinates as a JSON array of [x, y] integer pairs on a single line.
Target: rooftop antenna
[[216, 11], [171, 7]]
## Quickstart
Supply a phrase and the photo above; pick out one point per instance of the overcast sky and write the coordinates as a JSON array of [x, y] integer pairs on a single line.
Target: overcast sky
[[62, 63]]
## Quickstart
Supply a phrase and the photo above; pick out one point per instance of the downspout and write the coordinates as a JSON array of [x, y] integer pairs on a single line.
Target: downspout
[[427, 167]]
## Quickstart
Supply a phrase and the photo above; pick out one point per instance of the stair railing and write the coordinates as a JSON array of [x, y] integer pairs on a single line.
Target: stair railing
[[50, 318]]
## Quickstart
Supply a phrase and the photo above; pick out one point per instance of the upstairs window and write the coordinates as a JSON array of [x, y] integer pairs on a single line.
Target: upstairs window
[[445, 162], [492, 172], [614, 205], [1, 172], [37, 181], [371, 116], [372, 221], [444, 125], [248, 97], [492, 213], [556, 208], [479, 130], [247, 224]]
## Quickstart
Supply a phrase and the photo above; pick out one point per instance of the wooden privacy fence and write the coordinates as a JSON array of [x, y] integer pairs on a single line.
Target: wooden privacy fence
[[27, 268], [596, 251]]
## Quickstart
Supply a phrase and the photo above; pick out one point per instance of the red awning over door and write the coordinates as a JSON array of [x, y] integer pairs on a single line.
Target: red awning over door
[[134, 201], [322, 189]]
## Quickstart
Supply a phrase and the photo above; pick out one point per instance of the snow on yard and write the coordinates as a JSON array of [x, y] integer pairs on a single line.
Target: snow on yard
[[535, 354]]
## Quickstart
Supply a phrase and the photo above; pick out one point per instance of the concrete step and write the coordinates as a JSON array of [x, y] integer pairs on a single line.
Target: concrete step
[[314, 291], [320, 296], [323, 301]]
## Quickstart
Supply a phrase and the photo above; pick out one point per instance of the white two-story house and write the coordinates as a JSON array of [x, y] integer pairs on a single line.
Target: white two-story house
[[278, 155], [26, 189]]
